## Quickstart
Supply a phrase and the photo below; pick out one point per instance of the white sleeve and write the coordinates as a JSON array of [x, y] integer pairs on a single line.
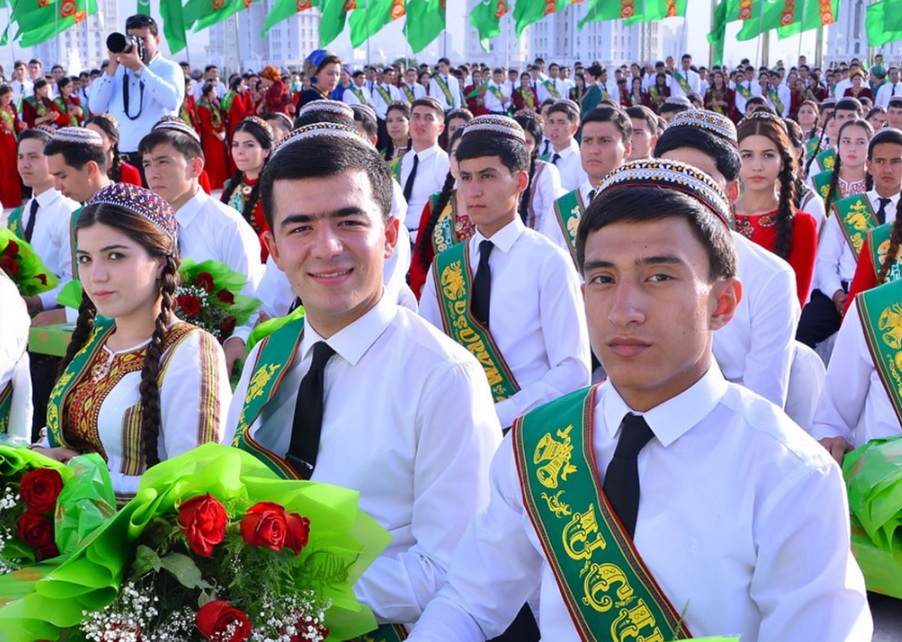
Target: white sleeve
[[429, 305], [166, 84], [829, 253], [61, 241], [551, 228]]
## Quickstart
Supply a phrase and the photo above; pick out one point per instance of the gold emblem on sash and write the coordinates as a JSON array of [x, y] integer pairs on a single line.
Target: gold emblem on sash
[[259, 381], [890, 324], [555, 505], [581, 535], [632, 622], [599, 580], [14, 227], [573, 223], [453, 285], [830, 162], [557, 454], [825, 191], [858, 217]]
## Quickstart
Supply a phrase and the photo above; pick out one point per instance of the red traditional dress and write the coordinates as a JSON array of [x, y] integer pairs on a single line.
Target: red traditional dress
[[714, 98], [66, 108], [762, 229], [10, 188], [212, 132], [525, 99], [237, 201], [278, 99], [656, 97], [461, 227], [188, 112], [128, 173], [34, 107], [632, 99]]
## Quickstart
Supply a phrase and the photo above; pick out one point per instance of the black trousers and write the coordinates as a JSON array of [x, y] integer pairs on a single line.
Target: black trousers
[[44, 370], [522, 629], [819, 319]]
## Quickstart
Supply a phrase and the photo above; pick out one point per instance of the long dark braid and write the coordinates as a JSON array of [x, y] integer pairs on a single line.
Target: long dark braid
[[833, 189], [151, 415], [87, 313], [425, 237], [820, 141], [786, 209], [230, 186], [895, 240], [109, 126]]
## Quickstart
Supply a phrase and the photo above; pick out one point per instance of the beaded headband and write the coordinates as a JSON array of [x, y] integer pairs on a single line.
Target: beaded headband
[[141, 202], [673, 175], [78, 136], [765, 116], [330, 106], [494, 124], [529, 115], [709, 120], [262, 124], [176, 124], [108, 116], [316, 130]]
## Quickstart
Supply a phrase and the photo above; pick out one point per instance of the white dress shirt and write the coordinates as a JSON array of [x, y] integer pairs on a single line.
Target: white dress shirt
[[841, 87], [743, 522], [854, 403], [756, 347], [545, 188], [887, 90], [379, 102], [536, 316], [14, 327], [21, 90], [350, 96], [392, 394], [544, 92], [613, 90], [755, 90], [785, 97], [50, 238], [492, 102], [432, 170], [418, 91], [551, 226], [453, 86], [676, 89], [199, 88], [813, 204], [569, 166]]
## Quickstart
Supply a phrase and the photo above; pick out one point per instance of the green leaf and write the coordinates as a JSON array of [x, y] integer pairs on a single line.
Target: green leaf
[[146, 560], [185, 570]]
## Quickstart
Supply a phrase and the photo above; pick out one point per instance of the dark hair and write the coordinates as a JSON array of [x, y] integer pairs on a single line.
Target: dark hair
[[312, 116], [565, 107], [283, 119], [512, 153], [404, 108], [75, 155], [266, 142], [364, 116], [641, 112], [34, 133], [617, 117], [674, 107], [833, 190], [109, 127], [885, 135], [183, 143], [641, 204], [774, 131], [235, 82], [425, 236], [849, 104], [324, 157], [159, 245], [533, 126], [62, 82], [139, 21], [5, 89], [430, 103], [725, 156]]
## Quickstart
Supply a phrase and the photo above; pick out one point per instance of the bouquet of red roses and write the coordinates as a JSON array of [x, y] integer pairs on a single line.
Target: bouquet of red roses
[[26, 517], [19, 260], [209, 297]]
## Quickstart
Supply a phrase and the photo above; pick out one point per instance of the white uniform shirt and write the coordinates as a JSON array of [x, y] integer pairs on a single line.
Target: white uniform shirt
[[492, 102], [350, 96], [743, 522], [21, 90], [676, 89], [569, 165], [199, 88], [551, 226], [14, 327], [544, 91], [756, 347], [613, 91], [854, 403], [813, 204], [453, 87], [379, 102], [536, 316], [545, 189], [785, 97], [408, 422], [432, 170], [841, 87], [50, 238], [418, 91], [754, 89], [887, 90]]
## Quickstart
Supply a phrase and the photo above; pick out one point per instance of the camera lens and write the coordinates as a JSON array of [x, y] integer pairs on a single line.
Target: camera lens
[[118, 43]]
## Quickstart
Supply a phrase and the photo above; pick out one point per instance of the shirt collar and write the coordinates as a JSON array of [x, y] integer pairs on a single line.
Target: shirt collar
[[189, 211], [672, 419], [352, 342], [572, 148], [873, 196], [504, 238], [47, 197], [426, 154]]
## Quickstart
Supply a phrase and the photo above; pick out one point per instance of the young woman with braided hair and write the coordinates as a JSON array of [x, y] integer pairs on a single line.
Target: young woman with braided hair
[[537, 200], [807, 200], [850, 176], [137, 385], [117, 169], [766, 212]]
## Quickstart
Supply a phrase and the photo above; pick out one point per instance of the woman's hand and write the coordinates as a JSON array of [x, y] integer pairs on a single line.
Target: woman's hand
[[60, 454]]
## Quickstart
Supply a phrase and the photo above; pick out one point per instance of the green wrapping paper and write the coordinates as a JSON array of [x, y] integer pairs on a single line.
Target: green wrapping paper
[[24, 266], [226, 278], [341, 537], [50, 339]]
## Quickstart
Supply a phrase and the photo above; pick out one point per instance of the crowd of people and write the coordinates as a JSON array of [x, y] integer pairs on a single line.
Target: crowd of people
[[456, 256]]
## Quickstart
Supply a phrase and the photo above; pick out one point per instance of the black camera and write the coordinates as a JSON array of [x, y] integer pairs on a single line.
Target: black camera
[[121, 43]]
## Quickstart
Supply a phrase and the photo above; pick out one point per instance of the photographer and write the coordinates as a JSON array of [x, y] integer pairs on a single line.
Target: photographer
[[138, 90]]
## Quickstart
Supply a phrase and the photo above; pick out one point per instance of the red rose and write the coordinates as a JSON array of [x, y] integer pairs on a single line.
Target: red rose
[[205, 281], [36, 530], [190, 305], [265, 524], [226, 297], [40, 488], [49, 552], [11, 249], [298, 532], [42, 278], [203, 520], [9, 265], [220, 622], [228, 327]]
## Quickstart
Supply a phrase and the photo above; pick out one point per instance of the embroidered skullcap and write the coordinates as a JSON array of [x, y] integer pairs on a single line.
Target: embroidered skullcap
[[680, 101], [709, 120], [141, 202], [495, 124], [331, 106], [262, 124], [337, 130], [673, 175], [176, 124], [829, 101], [78, 136], [364, 108], [566, 101]]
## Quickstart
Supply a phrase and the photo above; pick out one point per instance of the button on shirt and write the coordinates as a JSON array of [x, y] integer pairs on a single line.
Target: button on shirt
[[537, 315], [50, 238], [854, 403], [570, 166], [432, 170], [391, 393], [760, 551]]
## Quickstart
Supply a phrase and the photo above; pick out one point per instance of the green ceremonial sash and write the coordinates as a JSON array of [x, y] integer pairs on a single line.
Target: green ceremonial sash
[[880, 310], [443, 235], [6, 406], [275, 355], [826, 160], [856, 218], [453, 284], [72, 221], [811, 146], [609, 592], [551, 88], [394, 166], [14, 223], [683, 82], [227, 100], [568, 209], [775, 99], [385, 633], [744, 91], [356, 91], [822, 183], [408, 92], [496, 91], [879, 241], [449, 99], [74, 373], [385, 95]]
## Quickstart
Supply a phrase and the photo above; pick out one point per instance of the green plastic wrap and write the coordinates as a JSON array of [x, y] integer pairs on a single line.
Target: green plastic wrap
[[85, 503], [223, 278], [269, 326], [70, 295], [340, 536], [24, 266]]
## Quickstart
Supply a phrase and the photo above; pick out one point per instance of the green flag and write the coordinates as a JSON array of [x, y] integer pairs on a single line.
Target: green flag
[[173, 24], [205, 13], [766, 15], [527, 12], [485, 16], [601, 10], [367, 20], [332, 22], [282, 10], [425, 22], [810, 14], [892, 15], [876, 20], [650, 10], [40, 20], [722, 14]]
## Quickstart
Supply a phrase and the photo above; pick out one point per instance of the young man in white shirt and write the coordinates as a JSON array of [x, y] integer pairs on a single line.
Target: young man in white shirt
[[357, 93], [890, 89], [561, 125], [554, 86], [523, 299], [444, 87], [425, 166], [384, 93], [22, 87], [410, 88], [685, 81], [329, 415], [689, 533], [497, 95]]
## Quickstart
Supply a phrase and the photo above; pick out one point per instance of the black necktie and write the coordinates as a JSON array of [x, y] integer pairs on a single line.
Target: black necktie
[[547, 146], [555, 157], [308, 414], [29, 228], [881, 212], [408, 185], [482, 284], [894, 90], [621, 480], [591, 197]]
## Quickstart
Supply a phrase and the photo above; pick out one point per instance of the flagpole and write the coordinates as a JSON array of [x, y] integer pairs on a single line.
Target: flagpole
[[711, 29]]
